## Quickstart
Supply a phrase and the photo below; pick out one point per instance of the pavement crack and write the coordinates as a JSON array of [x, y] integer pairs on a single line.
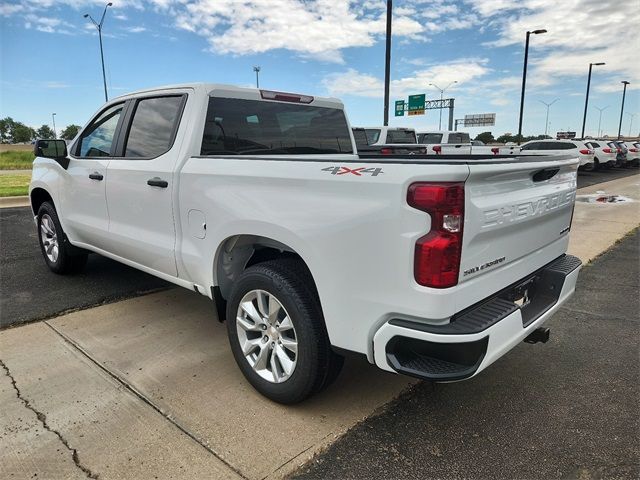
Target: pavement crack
[[141, 396], [42, 418]]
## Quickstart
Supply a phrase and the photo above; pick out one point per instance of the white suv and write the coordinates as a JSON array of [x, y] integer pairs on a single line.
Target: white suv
[[561, 147], [604, 154]]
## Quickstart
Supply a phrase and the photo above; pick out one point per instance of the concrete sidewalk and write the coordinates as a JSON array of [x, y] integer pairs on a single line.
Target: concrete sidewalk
[[148, 387]]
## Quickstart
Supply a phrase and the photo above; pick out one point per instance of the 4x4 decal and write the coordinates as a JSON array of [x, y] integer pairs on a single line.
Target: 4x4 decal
[[359, 171]]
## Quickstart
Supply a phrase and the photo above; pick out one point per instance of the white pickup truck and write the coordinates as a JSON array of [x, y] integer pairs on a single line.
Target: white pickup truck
[[429, 266], [446, 142]]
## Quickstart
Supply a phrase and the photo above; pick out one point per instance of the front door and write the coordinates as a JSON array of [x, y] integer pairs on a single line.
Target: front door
[[140, 183], [83, 196]]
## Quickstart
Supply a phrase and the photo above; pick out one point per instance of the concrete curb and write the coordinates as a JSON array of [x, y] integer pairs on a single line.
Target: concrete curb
[[10, 202]]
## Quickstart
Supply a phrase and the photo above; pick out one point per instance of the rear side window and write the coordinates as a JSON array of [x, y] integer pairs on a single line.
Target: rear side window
[[531, 146], [97, 139], [373, 135], [153, 127], [592, 145], [401, 136], [430, 138], [235, 126]]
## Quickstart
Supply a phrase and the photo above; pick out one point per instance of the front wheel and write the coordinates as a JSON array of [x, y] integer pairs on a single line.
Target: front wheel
[[58, 253], [277, 333]]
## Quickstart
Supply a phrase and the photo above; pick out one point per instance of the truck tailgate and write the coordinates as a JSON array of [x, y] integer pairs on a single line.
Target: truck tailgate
[[515, 208]]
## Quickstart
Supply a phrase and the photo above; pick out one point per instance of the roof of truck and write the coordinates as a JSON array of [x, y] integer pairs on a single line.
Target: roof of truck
[[233, 91]]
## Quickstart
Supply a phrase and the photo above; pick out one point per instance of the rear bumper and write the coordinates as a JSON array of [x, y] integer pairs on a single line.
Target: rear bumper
[[479, 335]]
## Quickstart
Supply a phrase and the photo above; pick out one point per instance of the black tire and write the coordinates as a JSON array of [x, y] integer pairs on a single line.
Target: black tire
[[69, 259], [596, 165], [316, 364]]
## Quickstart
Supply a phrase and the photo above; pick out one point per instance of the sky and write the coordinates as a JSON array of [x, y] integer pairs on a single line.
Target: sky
[[50, 57]]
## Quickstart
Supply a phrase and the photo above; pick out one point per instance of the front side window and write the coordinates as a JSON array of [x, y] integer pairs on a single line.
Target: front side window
[[153, 126], [246, 127], [459, 138], [97, 139], [531, 146], [430, 138]]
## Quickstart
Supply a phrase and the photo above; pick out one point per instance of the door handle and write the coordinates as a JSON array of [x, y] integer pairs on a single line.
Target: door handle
[[96, 176], [157, 182]]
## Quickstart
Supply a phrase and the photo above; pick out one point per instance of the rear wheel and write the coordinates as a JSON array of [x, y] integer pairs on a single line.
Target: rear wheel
[[277, 333], [58, 253]]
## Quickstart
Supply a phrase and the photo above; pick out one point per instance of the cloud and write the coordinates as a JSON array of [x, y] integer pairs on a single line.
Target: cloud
[[135, 29], [354, 83], [579, 32]]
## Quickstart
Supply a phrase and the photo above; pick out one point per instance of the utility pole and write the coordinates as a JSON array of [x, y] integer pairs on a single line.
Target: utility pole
[[631, 121], [257, 70], [586, 99], [546, 122], [387, 64], [524, 79], [99, 27], [624, 92], [53, 117]]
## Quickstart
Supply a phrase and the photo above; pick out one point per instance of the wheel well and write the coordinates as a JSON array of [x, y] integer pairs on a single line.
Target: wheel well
[[240, 252], [38, 197]]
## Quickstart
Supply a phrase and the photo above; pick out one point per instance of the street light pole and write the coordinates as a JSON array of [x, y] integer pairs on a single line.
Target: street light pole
[[600, 118], [53, 117], [524, 79], [257, 70], [546, 121], [387, 64], [99, 27], [586, 100], [442, 90], [631, 121], [624, 92]]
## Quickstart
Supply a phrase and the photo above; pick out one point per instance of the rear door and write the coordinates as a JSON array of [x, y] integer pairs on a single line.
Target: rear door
[[518, 209], [140, 182]]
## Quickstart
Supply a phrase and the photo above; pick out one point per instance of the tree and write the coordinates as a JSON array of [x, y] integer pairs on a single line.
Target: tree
[[20, 133], [70, 132], [486, 137], [45, 132], [6, 125]]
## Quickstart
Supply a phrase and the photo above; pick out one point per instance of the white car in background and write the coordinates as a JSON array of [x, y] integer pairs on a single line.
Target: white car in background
[[633, 153], [446, 142], [561, 147], [604, 154]]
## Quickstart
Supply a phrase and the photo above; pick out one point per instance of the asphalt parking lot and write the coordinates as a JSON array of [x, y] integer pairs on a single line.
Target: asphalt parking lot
[[564, 409]]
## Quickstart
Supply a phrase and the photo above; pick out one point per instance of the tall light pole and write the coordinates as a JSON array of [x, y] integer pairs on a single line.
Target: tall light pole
[[442, 90], [53, 117], [586, 99], [599, 133], [546, 121], [524, 78], [99, 27], [631, 121], [624, 92], [387, 64], [257, 70]]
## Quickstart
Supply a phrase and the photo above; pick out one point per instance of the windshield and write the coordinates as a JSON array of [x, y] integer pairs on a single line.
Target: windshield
[[235, 126]]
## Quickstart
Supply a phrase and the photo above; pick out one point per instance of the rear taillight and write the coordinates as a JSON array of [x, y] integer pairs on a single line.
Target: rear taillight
[[495, 150], [618, 150], [386, 151], [437, 149], [634, 150], [584, 151], [437, 254], [607, 150]]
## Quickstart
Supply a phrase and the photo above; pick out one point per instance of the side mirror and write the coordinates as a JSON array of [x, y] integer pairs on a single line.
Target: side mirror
[[54, 149]]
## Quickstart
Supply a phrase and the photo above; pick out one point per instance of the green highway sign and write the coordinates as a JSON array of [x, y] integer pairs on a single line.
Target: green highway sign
[[399, 108], [416, 104]]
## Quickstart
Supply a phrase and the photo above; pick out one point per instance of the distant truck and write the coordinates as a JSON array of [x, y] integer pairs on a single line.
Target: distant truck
[[447, 142], [387, 141], [429, 266]]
